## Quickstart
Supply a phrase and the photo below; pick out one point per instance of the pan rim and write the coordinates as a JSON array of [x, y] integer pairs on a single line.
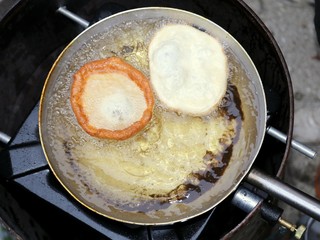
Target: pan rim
[[262, 119]]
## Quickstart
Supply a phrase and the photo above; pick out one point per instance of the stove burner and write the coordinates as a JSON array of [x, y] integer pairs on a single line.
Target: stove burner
[[24, 171]]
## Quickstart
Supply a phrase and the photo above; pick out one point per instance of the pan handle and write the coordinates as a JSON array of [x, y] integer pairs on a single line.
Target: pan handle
[[64, 11], [4, 138], [295, 144], [288, 194]]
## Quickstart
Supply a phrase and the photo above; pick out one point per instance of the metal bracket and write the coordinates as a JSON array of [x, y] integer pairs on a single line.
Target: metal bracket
[[247, 201]]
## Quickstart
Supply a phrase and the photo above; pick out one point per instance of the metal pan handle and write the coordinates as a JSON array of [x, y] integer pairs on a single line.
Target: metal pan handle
[[294, 144], [82, 22], [288, 194], [4, 138]]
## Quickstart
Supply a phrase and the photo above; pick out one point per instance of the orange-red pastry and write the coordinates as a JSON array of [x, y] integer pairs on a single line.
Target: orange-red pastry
[[111, 99]]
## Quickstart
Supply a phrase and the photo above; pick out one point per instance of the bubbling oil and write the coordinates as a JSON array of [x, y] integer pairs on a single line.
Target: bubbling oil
[[175, 158]]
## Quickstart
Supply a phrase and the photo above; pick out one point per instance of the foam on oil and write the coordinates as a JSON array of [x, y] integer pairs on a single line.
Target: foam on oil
[[171, 160]]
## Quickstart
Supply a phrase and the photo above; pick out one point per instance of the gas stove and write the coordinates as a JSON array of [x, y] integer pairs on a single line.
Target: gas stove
[[33, 33]]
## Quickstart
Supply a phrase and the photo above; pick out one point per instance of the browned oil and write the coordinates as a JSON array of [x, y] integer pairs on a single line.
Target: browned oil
[[198, 182], [130, 42]]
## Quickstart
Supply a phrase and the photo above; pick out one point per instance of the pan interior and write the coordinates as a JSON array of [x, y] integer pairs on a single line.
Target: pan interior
[[84, 164]]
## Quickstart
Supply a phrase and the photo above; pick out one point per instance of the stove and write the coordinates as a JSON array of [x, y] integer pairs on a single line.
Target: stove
[[33, 33]]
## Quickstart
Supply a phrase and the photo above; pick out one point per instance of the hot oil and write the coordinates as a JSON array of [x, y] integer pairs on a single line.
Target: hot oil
[[176, 158]]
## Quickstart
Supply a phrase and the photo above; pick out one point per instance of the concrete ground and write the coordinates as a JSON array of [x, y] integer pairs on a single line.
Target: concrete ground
[[291, 22]]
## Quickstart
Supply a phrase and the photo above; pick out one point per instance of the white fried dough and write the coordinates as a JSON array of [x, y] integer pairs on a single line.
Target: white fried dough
[[188, 69], [112, 101]]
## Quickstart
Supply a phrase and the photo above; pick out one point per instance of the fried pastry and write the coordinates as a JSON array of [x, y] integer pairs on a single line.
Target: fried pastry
[[188, 69], [111, 99]]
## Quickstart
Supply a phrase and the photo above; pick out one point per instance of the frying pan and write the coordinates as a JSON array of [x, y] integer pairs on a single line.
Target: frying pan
[[126, 35]]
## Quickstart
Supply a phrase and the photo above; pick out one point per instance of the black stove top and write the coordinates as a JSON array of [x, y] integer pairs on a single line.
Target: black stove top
[[32, 36]]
